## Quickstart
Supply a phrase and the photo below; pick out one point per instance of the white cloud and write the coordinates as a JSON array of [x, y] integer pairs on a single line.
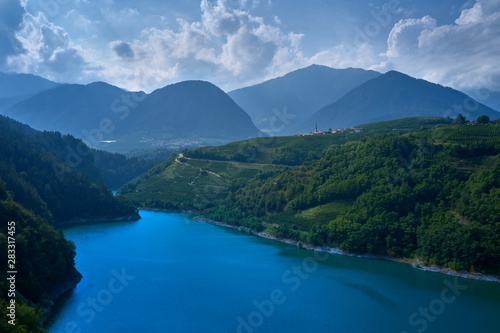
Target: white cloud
[[220, 19], [344, 56], [464, 55], [227, 44], [79, 20], [48, 49], [405, 36], [11, 18]]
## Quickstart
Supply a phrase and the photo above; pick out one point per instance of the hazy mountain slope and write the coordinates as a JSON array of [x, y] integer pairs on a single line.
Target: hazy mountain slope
[[68, 109], [23, 84], [299, 94], [487, 97], [192, 109], [392, 96], [16, 87]]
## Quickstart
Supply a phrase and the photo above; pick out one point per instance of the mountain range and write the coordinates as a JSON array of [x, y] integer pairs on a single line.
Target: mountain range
[[17, 87], [280, 105], [198, 113], [488, 97], [395, 95], [195, 111]]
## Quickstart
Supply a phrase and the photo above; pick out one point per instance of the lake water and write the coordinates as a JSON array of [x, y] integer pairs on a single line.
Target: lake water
[[165, 273]]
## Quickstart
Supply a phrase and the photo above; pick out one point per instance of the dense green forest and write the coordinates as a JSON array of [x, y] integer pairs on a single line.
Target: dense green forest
[[117, 169], [426, 192], [56, 176], [45, 179], [43, 259]]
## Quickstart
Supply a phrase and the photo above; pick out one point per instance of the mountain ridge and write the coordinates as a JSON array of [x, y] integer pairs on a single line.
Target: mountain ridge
[[14, 83], [396, 95], [196, 111], [279, 105]]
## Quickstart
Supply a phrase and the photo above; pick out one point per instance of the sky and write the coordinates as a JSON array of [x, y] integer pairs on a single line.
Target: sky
[[145, 45]]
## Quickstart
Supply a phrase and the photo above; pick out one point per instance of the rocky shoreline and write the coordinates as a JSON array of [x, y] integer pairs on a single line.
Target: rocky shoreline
[[100, 219], [56, 293], [415, 262]]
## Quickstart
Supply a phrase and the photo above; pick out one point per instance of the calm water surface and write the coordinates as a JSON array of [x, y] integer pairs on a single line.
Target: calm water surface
[[165, 273]]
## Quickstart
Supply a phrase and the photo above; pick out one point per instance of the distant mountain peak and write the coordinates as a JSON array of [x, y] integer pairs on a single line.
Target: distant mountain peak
[[280, 105], [15, 85], [191, 111], [100, 84], [396, 73], [394, 95]]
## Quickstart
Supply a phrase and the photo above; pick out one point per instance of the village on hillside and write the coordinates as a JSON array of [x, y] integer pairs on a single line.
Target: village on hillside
[[345, 130]]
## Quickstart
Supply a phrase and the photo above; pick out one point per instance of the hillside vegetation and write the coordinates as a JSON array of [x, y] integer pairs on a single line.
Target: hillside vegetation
[[55, 176], [46, 179], [432, 194], [44, 259]]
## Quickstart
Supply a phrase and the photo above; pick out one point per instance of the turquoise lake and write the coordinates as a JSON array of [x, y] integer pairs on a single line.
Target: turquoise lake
[[166, 273]]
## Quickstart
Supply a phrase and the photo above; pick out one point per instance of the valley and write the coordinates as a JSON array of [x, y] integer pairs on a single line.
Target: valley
[[420, 190], [249, 166]]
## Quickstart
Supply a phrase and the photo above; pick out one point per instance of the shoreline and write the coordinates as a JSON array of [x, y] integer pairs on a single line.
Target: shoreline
[[55, 294], [417, 264], [96, 220]]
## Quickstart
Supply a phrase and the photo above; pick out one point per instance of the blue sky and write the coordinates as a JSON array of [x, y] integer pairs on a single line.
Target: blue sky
[[144, 45]]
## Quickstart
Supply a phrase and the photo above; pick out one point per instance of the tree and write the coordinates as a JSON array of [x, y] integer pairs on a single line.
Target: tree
[[483, 119], [459, 120]]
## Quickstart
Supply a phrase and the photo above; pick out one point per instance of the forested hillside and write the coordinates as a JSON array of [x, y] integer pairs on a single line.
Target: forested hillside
[[55, 176], [44, 260], [431, 194], [45, 179]]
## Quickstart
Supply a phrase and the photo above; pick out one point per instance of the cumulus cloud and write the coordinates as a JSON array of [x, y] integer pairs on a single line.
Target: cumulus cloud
[[228, 43], [464, 55], [232, 46], [46, 49], [11, 18], [344, 56], [123, 50]]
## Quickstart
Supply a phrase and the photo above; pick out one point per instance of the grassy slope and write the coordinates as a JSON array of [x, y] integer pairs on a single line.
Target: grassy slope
[[192, 184]]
